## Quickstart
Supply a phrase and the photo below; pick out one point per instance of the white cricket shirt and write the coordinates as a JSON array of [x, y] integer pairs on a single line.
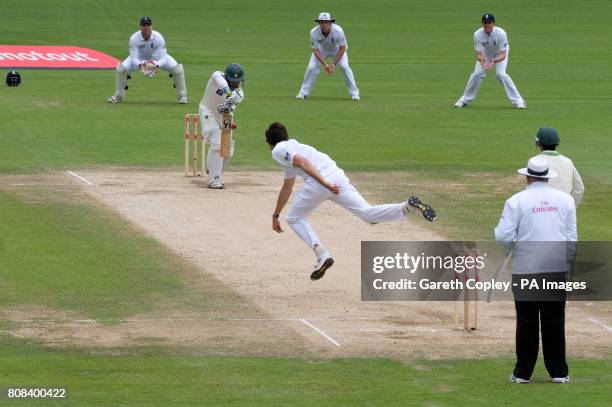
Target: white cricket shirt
[[285, 151], [144, 50], [491, 44], [217, 93], [569, 180], [328, 44]]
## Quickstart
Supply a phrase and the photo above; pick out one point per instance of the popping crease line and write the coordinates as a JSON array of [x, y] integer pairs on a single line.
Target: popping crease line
[[606, 327], [88, 182], [326, 336], [153, 320]]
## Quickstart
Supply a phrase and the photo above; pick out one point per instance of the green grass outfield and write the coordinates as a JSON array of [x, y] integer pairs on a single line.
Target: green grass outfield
[[74, 258], [411, 61], [150, 377]]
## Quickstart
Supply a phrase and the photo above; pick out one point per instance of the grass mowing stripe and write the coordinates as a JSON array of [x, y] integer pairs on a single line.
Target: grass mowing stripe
[[154, 378], [72, 257]]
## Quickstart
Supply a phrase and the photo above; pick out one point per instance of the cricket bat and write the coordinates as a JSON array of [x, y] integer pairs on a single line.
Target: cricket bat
[[226, 134]]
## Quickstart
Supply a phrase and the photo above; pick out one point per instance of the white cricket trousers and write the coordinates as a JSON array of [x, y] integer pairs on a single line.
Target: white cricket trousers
[[500, 73], [313, 194], [215, 164], [312, 72], [167, 63]]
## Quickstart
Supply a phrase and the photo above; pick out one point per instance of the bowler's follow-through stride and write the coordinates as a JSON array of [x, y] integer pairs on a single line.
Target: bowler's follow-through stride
[[324, 180]]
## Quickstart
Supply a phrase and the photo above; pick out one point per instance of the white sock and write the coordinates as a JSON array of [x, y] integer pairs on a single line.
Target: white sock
[[319, 250]]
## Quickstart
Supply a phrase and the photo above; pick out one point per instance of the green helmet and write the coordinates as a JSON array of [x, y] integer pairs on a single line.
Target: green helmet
[[234, 73], [548, 136]]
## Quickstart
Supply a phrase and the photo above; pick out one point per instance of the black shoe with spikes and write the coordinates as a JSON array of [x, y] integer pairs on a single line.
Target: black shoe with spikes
[[428, 212]]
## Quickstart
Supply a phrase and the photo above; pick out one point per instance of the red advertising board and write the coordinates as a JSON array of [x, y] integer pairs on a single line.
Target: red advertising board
[[54, 57]]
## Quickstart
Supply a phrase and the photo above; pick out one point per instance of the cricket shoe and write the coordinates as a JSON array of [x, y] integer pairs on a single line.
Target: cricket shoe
[[355, 97], [518, 380], [521, 105], [216, 185], [565, 379], [300, 96], [115, 99], [183, 100], [414, 205], [324, 262], [460, 103]]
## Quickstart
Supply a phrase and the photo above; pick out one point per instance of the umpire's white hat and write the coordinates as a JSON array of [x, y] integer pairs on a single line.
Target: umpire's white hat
[[537, 167], [324, 16]]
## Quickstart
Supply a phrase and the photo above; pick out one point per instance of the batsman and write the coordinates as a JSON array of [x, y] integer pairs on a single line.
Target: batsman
[[222, 95]]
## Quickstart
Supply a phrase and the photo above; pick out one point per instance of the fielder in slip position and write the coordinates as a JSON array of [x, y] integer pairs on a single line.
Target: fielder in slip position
[[492, 49], [323, 181], [147, 53], [327, 40], [222, 95]]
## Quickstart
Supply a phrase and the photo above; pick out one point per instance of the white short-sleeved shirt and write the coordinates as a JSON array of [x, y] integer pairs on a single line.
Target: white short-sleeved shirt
[[334, 40], [491, 44], [285, 151], [217, 93], [144, 50]]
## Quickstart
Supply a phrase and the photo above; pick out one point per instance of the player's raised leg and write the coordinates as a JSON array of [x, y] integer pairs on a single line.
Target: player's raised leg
[[350, 199]]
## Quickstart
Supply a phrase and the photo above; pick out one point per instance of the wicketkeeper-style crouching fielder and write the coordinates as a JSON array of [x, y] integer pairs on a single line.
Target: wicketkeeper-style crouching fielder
[[147, 54], [222, 95], [323, 181]]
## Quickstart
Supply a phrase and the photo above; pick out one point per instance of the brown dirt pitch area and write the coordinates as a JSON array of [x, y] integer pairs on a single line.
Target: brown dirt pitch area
[[227, 235]]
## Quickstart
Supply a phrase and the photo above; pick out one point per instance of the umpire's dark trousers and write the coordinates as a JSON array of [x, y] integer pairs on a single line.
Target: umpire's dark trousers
[[551, 315]]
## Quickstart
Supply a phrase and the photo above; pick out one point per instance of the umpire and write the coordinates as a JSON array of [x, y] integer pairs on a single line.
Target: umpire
[[538, 223]]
